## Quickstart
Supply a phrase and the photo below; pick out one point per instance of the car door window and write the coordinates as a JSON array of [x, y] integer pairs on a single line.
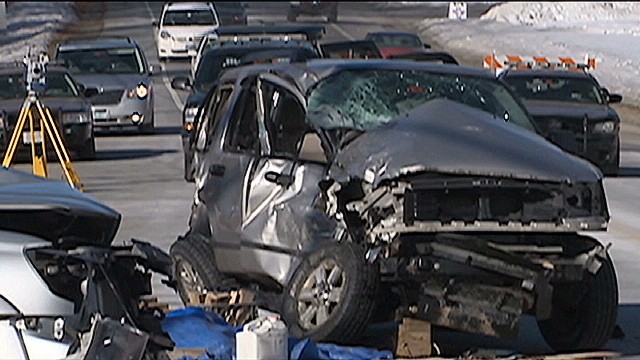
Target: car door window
[[284, 120], [243, 128], [210, 116]]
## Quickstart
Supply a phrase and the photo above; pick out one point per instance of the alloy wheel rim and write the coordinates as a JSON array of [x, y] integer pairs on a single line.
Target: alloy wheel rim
[[321, 294], [189, 278]]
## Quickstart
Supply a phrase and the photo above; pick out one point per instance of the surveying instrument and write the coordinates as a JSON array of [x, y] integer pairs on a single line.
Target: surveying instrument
[[36, 113]]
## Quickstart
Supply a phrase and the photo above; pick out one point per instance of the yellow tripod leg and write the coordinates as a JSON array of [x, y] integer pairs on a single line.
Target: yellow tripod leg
[[17, 133], [38, 163], [52, 130]]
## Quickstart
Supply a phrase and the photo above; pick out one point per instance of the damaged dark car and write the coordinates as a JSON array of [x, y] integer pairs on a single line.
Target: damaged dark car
[[328, 188]]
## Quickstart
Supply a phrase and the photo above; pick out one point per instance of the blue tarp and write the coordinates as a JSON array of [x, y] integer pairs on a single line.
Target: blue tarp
[[195, 327]]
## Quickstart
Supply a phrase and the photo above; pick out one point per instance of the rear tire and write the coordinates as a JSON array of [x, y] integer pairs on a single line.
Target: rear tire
[[87, 152], [583, 315], [331, 295], [194, 267], [612, 168]]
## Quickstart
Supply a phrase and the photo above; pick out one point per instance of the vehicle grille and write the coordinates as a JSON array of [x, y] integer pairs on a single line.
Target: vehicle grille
[[108, 97], [469, 199], [554, 123]]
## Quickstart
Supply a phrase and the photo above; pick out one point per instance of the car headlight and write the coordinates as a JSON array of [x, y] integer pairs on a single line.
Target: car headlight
[[189, 117], [605, 127], [165, 34], [75, 118], [141, 91]]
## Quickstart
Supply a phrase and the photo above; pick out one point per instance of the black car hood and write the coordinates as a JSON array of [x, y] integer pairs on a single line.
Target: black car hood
[[111, 81], [66, 104], [448, 137], [568, 109], [54, 211]]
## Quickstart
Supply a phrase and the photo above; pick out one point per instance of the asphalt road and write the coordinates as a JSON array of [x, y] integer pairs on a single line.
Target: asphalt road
[[141, 176]]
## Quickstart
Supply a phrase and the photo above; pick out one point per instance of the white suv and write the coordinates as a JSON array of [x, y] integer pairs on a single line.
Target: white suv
[[182, 25]]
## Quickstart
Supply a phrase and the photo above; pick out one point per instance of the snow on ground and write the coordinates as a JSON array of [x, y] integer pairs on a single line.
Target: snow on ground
[[607, 31], [32, 24]]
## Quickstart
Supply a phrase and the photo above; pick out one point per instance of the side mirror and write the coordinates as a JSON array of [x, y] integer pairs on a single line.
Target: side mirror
[[154, 69], [155, 23], [181, 83], [427, 46], [89, 92], [615, 98]]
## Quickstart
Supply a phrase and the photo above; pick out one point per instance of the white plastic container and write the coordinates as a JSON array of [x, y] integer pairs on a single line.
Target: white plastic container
[[263, 339]]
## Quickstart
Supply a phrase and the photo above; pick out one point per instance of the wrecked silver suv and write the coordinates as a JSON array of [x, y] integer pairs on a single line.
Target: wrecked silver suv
[[332, 187]]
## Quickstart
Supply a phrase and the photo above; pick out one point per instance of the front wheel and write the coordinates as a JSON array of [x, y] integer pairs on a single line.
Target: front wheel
[[583, 315], [194, 267], [331, 295]]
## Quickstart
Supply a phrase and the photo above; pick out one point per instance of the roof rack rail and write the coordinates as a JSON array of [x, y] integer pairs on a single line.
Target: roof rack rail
[[497, 64]]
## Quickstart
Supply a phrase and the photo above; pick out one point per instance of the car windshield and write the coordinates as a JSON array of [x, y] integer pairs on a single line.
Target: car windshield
[[578, 90], [397, 40], [104, 61], [365, 99], [58, 84], [188, 17]]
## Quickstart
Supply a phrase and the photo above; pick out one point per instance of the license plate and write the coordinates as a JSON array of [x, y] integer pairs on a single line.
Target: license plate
[[100, 114], [26, 137]]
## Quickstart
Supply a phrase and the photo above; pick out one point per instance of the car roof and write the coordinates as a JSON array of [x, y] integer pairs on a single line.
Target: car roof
[[104, 43], [188, 6], [230, 47], [545, 73], [307, 74]]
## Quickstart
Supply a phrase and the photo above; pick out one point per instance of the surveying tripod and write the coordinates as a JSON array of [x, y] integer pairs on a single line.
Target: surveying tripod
[[33, 110]]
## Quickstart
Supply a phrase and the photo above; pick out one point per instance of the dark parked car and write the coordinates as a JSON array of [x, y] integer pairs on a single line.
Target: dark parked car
[[397, 42], [218, 58], [231, 12], [572, 109], [323, 8], [66, 102], [430, 56], [326, 187]]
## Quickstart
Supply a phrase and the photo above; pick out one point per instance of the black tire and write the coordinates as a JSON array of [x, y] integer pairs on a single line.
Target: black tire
[[612, 168], [189, 171], [584, 315], [88, 152], [149, 128], [354, 289], [194, 267]]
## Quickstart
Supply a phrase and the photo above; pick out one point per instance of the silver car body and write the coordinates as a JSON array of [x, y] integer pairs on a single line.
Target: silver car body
[[116, 100]]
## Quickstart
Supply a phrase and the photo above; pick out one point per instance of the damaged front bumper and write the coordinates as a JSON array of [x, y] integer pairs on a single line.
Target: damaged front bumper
[[474, 253]]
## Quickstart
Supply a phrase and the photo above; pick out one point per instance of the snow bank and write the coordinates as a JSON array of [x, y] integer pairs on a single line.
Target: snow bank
[[32, 24], [607, 31]]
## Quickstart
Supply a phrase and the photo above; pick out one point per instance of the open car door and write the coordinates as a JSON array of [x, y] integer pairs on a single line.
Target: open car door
[[356, 49]]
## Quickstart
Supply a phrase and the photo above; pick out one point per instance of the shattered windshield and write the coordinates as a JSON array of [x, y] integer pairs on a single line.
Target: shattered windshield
[[365, 99]]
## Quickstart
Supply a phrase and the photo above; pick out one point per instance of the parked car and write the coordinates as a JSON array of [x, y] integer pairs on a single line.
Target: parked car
[[63, 279], [66, 102], [231, 12], [214, 61], [397, 42], [323, 188], [181, 26], [255, 32], [572, 109], [117, 80], [431, 56], [329, 9], [350, 49]]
